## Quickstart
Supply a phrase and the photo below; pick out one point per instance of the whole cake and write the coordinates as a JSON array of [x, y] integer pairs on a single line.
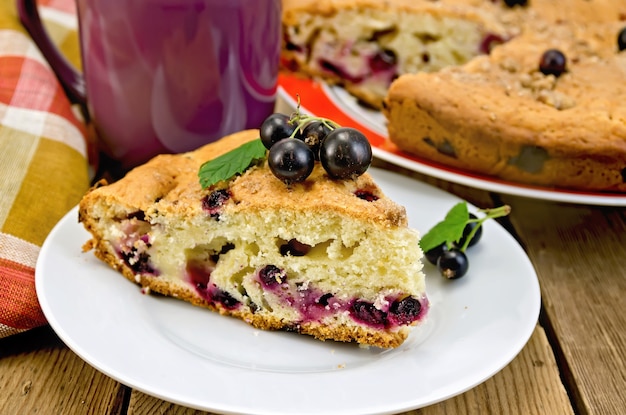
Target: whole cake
[[545, 108], [330, 258], [460, 81]]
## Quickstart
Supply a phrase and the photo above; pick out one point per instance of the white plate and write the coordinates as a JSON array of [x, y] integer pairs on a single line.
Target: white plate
[[334, 102], [191, 356]]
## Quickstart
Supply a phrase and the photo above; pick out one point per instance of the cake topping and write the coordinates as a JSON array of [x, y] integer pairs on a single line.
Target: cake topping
[[345, 153], [229, 164], [294, 144], [291, 160], [553, 62], [276, 127], [313, 135]]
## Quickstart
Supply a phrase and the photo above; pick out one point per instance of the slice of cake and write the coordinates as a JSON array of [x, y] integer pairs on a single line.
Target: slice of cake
[[329, 258], [364, 44], [545, 108]]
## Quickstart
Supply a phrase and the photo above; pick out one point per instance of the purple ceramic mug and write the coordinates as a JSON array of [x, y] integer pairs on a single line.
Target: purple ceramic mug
[[163, 76]]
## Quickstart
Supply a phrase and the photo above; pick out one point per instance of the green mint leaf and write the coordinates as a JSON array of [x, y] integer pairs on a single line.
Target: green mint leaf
[[229, 164], [448, 230]]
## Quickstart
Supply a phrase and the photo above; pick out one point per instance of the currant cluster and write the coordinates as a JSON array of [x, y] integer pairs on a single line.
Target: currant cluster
[[450, 258], [296, 142], [466, 228]]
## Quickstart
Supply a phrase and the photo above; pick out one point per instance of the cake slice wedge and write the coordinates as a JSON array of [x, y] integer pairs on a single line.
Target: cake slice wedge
[[334, 259]]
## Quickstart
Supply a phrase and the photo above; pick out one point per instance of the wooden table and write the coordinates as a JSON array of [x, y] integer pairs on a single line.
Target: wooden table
[[573, 363]]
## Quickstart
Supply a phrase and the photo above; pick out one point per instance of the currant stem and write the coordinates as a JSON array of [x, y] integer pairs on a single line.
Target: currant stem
[[489, 214], [303, 119]]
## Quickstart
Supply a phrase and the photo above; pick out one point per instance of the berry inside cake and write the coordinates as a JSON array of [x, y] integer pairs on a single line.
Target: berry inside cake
[[330, 258]]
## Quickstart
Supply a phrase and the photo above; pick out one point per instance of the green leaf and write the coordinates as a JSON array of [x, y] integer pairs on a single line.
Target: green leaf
[[229, 164], [448, 230]]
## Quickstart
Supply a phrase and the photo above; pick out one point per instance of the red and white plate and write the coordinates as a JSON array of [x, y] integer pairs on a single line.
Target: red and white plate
[[320, 99]]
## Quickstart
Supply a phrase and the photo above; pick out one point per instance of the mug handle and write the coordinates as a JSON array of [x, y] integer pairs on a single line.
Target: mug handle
[[72, 81]]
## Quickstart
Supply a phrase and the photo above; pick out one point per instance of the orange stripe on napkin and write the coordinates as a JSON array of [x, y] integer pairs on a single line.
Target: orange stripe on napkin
[[26, 83], [19, 307], [43, 169], [67, 6]]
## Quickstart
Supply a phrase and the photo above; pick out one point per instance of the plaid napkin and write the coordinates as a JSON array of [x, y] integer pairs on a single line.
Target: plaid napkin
[[43, 155]]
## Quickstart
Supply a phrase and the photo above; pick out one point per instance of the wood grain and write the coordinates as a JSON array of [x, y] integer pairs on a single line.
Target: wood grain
[[40, 375], [579, 252]]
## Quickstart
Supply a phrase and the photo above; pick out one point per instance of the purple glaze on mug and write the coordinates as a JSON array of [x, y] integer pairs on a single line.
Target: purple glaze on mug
[[172, 75]]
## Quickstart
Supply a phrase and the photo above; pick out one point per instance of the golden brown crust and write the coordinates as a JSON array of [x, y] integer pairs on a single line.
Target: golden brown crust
[[174, 179], [499, 116]]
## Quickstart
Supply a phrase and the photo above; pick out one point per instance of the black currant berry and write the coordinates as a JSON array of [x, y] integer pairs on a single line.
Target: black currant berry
[[290, 160], [275, 128], [406, 310], [294, 248], [368, 313], [383, 60], [345, 153], [433, 255], [468, 229], [512, 3], [621, 40], [271, 276], [313, 134], [553, 62], [453, 264]]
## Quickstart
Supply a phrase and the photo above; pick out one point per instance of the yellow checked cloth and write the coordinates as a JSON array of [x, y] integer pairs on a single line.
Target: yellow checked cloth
[[43, 158]]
